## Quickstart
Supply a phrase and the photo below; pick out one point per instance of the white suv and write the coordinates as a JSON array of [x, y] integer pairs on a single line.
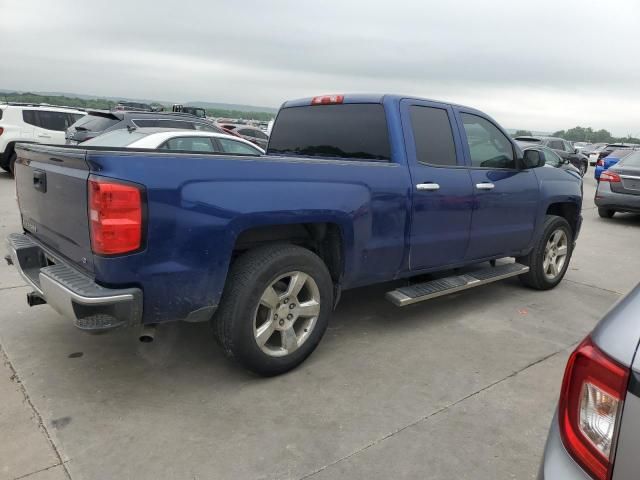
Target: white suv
[[20, 122]]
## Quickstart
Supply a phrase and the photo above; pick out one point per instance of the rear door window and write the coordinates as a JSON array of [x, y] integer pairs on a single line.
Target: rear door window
[[433, 136], [190, 144], [556, 144], [233, 146], [488, 146], [29, 116], [56, 121], [345, 131]]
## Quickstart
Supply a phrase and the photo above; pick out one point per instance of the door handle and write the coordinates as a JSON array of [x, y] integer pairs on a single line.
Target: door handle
[[44, 136], [485, 186], [428, 186]]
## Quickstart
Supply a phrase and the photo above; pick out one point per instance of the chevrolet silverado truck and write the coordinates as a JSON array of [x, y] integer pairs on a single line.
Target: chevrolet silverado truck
[[354, 190]]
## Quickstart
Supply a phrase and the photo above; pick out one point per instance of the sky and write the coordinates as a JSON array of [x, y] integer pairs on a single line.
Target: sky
[[543, 65]]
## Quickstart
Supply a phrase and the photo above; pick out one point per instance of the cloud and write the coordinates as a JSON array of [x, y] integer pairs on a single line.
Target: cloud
[[546, 66]]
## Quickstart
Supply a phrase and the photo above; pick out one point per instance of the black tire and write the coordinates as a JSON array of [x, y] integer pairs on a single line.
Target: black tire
[[12, 163], [606, 212], [583, 169], [536, 277], [249, 277]]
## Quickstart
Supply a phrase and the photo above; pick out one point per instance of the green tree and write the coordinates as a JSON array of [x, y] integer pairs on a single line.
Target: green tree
[[522, 133]]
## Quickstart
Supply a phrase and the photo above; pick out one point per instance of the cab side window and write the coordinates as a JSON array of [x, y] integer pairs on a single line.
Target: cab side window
[[488, 146], [432, 136]]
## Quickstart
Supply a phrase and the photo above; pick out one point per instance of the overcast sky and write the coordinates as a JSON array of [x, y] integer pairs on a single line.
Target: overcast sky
[[542, 65]]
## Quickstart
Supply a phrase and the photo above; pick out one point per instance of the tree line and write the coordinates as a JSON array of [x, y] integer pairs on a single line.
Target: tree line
[[104, 104], [581, 134]]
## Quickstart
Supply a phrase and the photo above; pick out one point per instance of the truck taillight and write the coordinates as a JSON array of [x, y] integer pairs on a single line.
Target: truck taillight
[[590, 405], [611, 177], [115, 217], [327, 100], [1, 130]]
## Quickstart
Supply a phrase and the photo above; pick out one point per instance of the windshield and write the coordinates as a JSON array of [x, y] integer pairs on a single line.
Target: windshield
[[350, 131]]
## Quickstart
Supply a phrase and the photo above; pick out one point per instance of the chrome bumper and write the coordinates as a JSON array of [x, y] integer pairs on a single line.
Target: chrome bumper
[[70, 292]]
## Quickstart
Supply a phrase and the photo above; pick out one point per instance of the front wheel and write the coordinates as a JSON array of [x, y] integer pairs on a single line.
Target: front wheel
[[549, 259], [275, 308], [583, 169]]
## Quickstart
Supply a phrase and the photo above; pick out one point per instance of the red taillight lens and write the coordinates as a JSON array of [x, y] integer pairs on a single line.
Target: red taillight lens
[[593, 390], [327, 100], [115, 217], [608, 176], [1, 130]]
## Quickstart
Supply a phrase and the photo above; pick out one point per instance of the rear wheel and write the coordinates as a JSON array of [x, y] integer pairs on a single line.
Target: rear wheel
[[606, 212], [275, 308], [12, 163], [549, 259]]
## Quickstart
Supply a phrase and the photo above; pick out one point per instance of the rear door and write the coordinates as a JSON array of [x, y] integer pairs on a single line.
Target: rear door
[[51, 184], [505, 197], [629, 170], [441, 190], [51, 126]]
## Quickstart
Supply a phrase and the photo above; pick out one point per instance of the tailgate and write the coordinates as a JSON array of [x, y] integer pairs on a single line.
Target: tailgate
[[51, 184]]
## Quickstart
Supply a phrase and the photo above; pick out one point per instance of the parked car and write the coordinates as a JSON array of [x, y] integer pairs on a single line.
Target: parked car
[[594, 152], [252, 134], [595, 431], [175, 140], [550, 158], [609, 161], [195, 111], [619, 187], [581, 146], [354, 190], [100, 121], [133, 106], [561, 147], [32, 123]]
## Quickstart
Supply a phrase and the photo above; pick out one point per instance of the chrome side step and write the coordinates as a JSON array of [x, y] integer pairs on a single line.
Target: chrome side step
[[444, 286]]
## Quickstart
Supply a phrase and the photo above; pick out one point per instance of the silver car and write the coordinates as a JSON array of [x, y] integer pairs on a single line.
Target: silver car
[[619, 187], [595, 433]]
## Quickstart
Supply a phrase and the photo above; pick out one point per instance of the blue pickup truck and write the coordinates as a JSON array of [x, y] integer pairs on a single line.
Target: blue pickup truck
[[354, 190]]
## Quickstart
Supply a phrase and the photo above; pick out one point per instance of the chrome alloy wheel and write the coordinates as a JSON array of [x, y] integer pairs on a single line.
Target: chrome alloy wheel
[[287, 314], [555, 254]]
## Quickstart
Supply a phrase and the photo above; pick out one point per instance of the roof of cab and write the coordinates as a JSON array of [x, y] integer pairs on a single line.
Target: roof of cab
[[369, 98]]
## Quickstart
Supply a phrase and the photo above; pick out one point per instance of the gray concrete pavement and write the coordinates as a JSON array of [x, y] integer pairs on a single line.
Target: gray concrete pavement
[[458, 387]]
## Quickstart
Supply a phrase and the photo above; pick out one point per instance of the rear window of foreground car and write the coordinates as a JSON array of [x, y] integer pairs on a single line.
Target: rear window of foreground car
[[345, 131], [95, 123], [632, 160], [116, 138]]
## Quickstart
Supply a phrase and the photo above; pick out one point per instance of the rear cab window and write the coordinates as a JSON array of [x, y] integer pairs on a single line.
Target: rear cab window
[[347, 131]]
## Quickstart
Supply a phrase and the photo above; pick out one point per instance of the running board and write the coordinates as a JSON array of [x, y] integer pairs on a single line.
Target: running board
[[444, 286]]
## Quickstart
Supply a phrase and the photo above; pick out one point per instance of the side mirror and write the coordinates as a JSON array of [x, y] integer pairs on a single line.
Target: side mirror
[[532, 159]]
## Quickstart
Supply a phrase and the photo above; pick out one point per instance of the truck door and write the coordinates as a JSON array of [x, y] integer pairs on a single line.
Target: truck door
[[441, 190], [505, 196]]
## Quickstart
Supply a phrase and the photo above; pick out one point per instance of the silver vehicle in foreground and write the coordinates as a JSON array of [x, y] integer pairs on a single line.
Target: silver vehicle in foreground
[[595, 433]]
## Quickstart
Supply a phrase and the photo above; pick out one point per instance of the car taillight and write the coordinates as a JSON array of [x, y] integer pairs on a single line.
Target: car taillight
[[608, 176], [593, 390], [1, 130], [327, 100], [115, 217]]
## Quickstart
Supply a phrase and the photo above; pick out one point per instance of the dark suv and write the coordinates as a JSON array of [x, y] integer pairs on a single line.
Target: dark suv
[[96, 122], [563, 148]]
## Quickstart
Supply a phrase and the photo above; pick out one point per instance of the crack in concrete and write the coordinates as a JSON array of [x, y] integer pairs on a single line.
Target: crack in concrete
[[16, 378], [592, 286], [433, 414], [27, 475], [15, 286]]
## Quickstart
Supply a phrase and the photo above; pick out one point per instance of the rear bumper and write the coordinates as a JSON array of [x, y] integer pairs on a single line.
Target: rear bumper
[[70, 292], [556, 463], [623, 202]]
